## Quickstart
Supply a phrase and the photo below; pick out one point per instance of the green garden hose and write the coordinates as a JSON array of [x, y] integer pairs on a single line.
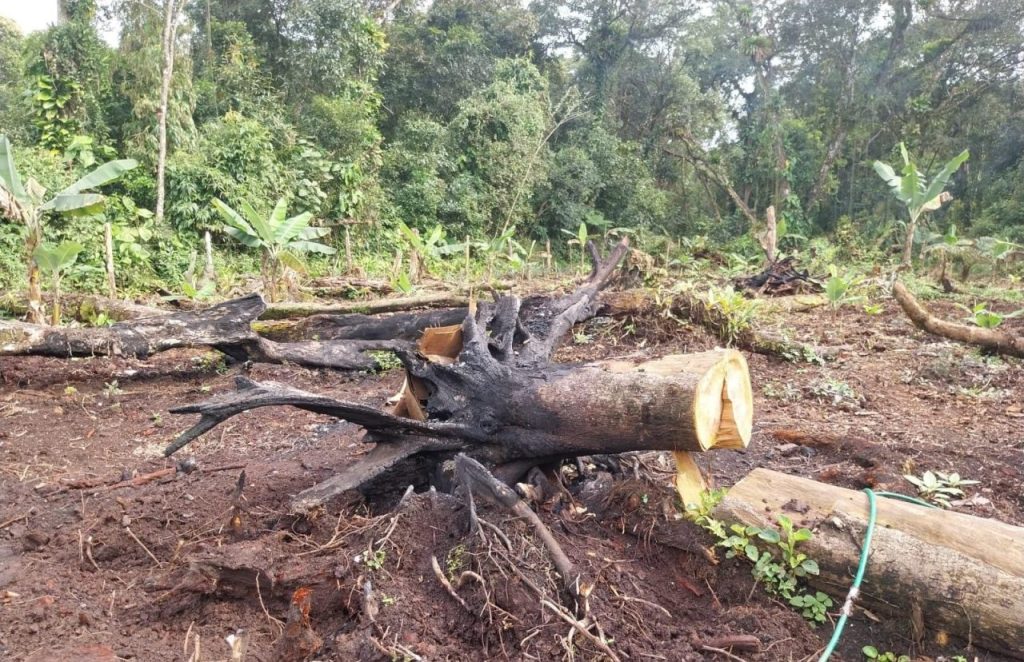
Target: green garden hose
[[851, 596]]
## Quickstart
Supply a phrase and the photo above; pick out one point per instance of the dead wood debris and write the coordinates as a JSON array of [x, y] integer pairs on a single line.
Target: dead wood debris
[[780, 278]]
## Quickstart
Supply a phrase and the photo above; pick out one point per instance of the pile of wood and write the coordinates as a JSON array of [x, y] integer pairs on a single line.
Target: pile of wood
[[780, 278]]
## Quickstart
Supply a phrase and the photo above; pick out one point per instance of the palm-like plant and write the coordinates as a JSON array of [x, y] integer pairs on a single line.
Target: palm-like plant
[[917, 193], [26, 203], [281, 240], [54, 261]]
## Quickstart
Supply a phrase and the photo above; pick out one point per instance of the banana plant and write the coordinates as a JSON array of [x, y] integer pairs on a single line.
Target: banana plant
[[26, 203], [281, 240], [54, 261], [916, 193]]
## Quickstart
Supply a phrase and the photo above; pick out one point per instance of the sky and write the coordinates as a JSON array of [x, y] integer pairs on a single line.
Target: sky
[[30, 15]]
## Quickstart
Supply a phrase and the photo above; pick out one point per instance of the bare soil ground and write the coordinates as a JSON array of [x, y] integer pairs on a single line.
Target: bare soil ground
[[90, 570]]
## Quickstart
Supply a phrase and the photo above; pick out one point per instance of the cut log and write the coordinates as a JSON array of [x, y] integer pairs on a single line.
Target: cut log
[[964, 573], [224, 327], [993, 340], [286, 310]]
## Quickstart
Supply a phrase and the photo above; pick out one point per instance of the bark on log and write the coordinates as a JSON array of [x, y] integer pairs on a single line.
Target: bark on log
[[277, 311], [503, 403], [400, 326], [965, 573], [224, 327], [990, 339]]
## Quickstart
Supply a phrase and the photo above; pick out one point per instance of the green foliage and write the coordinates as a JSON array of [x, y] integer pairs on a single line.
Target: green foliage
[[282, 241], [54, 261], [780, 575], [938, 488], [736, 312], [981, 316], [872, 653], [839, 289]]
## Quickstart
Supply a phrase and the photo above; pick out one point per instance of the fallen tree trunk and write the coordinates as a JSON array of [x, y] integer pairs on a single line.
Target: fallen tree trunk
[[356, 326], [224, 327], [990, 339], [964, 573], [501, 401], [277, 311], [635, 302]]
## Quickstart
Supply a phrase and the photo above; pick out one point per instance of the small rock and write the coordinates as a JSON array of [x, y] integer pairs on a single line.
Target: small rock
[[786, 450]]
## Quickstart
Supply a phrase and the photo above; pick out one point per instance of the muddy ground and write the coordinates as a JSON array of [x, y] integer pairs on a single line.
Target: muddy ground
[[166, 570]]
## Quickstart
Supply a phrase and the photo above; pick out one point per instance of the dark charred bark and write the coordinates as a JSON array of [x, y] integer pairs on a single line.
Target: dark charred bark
[[356, 326], [501, 401], [225, 327]]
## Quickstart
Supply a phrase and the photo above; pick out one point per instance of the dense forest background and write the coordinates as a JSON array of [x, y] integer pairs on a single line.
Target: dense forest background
[[493, 118]]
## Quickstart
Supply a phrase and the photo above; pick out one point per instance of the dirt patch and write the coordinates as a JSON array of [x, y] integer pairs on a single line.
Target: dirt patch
[[150, 571]]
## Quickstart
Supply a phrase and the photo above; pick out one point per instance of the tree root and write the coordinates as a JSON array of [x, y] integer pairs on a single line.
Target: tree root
[[992, 340]]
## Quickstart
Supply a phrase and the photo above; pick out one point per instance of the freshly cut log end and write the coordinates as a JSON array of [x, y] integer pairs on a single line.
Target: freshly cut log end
[[722, 402]]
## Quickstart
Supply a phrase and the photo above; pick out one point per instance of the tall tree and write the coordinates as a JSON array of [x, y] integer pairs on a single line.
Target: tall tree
[[171, 10]]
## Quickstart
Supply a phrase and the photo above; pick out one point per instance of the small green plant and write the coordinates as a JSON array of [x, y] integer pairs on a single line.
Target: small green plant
[[873, 309], [839, 289], [938, 488], [736, 312], [54, 261], [581, 237], [374, 560], [111, 389], [455, 561], [812, 607], [981, 316], [70, 391], [834, 390], [387, 600], [581, 338], [786, 392], [872, 653], [281, 240], [385, 360], [780, 576]]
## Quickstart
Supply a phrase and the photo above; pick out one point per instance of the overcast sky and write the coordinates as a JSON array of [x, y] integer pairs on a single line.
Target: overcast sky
[[30, 15]]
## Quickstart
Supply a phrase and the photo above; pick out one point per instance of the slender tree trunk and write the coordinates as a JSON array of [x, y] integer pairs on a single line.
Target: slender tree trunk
[[35, 290], [108, 253], [908, 243], [170, 16], [55, 311], [209, 272]]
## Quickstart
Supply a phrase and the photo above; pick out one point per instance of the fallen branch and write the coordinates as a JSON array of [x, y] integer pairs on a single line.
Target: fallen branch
[[990, 339]]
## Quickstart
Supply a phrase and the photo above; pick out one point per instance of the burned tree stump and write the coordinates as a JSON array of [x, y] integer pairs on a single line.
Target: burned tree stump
[[502, 402]]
